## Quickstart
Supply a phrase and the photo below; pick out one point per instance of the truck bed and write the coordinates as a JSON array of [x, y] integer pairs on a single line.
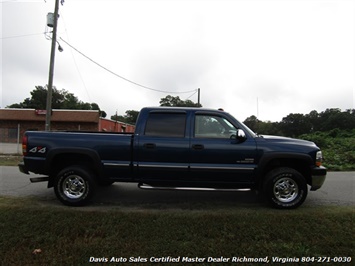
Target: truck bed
[[110, 148]]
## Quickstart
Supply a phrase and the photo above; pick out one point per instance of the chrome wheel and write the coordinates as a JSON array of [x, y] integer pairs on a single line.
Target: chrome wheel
[[285, 190], [74, 186]]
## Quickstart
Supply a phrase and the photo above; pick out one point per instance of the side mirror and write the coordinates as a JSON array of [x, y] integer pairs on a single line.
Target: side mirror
[[239, 135]]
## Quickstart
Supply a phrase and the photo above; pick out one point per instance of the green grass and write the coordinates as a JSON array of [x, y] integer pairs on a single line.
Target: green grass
[[70, 236], [10, 160]]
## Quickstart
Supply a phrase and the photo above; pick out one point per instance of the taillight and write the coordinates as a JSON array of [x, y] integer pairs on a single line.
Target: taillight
[[24, 145]]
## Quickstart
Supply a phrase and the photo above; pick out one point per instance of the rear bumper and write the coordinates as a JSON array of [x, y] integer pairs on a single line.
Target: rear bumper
[[23, 168], [318, 177]]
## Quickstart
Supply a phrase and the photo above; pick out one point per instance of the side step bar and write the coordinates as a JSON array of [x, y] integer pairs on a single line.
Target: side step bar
[[39, 179], [144, 186]]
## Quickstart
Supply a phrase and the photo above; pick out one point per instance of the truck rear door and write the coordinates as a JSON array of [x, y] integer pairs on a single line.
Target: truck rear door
[[162, 150]]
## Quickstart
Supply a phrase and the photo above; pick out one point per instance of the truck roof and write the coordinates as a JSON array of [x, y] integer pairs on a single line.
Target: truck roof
[[180, 108]]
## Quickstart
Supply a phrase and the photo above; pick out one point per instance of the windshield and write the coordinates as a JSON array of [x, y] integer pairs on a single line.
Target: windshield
[[251, 132], [244, 127]]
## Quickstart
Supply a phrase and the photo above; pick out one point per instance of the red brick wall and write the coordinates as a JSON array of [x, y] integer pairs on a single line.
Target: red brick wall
[[113, 126], [8, 129]]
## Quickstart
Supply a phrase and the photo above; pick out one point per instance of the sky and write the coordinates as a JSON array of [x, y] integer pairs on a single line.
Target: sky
[[263, 58]]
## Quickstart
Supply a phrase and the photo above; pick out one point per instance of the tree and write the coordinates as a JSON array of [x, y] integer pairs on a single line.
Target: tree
[[313, 118], [176, 101], [294, 125], [261, 127], [269, 128], [335, 118], [61, 99], [252, 122], [130, 117], [331, 120]]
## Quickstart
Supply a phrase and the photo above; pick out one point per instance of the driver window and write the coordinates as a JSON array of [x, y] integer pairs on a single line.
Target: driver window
[[212, 126]]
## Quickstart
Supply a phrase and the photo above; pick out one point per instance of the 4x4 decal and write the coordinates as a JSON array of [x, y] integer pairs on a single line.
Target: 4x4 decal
[[38, 149]]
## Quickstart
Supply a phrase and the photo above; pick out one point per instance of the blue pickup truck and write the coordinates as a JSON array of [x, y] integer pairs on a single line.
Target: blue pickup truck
[[175, 148]]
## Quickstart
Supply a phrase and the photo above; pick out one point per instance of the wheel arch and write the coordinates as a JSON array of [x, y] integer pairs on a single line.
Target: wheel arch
[[299, 162], [60, 158]]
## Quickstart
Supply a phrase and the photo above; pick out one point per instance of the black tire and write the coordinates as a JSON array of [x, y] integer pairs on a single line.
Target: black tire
[[74, 186], [285, 188]]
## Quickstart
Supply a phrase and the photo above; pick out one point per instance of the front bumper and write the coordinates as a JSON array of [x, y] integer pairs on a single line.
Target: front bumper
[[318, 177]]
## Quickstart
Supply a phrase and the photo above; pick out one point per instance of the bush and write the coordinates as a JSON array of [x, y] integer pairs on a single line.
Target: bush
[[338, 147]]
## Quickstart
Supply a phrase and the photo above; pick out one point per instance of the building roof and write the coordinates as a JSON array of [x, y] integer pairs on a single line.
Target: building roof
[[58, 115]]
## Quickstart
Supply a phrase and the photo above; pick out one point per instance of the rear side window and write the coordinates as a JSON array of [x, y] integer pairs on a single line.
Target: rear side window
[[166, 125]]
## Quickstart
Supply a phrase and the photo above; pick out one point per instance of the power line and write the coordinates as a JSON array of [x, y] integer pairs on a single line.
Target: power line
[[192, 95], [20, 36], [20, 1], [128, 80], [72, 54]]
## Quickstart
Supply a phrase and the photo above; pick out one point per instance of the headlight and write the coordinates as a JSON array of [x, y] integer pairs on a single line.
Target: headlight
[[319, 158]]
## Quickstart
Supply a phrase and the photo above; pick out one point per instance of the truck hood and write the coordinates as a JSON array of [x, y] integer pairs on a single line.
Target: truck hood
[[285, 140]]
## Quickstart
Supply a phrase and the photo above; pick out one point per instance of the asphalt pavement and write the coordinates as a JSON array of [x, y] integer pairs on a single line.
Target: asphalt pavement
[[338, 190]]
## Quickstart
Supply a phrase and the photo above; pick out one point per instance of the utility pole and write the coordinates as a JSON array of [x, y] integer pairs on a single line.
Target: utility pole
[[257, 114], [51, 68], [198, 97]]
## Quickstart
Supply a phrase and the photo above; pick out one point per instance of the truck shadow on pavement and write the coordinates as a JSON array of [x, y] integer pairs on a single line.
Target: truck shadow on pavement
[[130, 196]]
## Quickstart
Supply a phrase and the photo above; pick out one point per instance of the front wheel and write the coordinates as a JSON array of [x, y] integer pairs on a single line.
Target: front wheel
[[285, 188], [74, 186]]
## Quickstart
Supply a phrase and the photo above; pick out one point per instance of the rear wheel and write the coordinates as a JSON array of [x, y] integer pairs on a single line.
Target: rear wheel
[[285, 188], [74, 186]]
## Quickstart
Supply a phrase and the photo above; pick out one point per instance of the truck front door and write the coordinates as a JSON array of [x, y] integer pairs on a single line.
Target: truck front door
[[217, 156]]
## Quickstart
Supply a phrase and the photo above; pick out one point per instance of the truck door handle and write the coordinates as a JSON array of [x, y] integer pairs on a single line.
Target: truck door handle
[[149, 145], [198, 146]]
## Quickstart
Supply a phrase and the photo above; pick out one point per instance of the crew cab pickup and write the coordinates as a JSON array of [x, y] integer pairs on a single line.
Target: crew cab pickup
[[175, 148]]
